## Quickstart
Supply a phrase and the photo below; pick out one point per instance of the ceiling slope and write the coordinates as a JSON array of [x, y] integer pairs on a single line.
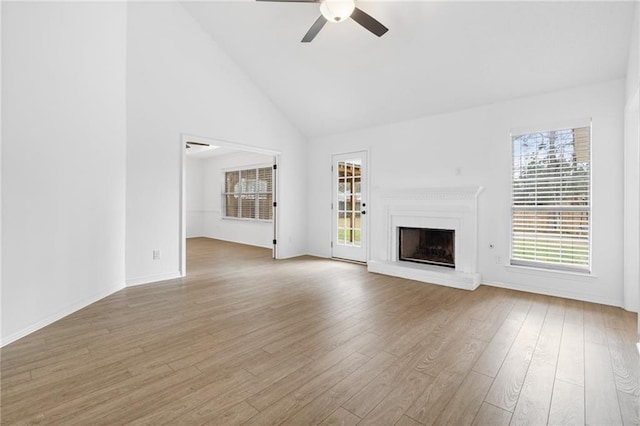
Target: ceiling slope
[[437, 56]]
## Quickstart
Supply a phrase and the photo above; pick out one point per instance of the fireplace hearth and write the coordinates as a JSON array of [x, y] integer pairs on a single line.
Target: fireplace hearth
[[427, 245]]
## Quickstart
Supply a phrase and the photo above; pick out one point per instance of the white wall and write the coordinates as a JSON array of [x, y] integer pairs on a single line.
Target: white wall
[[180, 81], [194, 193], [428, 151], [214, 226], [1, 134], [63, 159], [633, 63], [632, 173]]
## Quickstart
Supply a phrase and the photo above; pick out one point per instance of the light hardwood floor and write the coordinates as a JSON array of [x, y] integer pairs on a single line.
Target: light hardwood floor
[[248, 340]]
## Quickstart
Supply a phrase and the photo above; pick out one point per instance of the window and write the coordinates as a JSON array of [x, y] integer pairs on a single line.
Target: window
[[551, 199], [248, 194]]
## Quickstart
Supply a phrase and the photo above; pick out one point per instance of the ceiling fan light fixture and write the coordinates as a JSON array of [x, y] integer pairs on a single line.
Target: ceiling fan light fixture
[[337, 10]]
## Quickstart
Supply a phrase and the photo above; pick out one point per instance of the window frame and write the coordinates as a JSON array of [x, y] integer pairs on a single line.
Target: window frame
[[224, 194], [552, 266]]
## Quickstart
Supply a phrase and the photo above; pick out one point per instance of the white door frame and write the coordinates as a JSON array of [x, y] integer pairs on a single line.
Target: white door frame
[[365, 194], [184, 137]]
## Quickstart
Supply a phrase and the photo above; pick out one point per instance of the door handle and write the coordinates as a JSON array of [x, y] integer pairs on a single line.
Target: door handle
[[363, 212]]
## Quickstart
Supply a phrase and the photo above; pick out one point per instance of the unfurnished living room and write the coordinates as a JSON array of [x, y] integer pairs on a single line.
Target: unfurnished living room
[[327, 212]]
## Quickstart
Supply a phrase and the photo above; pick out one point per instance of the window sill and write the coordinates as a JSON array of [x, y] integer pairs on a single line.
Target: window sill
[[531, 270]]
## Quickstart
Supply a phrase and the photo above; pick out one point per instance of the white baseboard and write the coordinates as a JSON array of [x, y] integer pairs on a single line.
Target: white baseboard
[[638, 346], [58, 316], [556, 293], [153, 279]]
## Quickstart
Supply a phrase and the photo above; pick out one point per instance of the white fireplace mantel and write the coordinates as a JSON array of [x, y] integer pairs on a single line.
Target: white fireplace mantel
[[453, 208]]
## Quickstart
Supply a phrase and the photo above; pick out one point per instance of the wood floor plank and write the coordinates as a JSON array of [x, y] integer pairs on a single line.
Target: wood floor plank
[[71, 409], [571, 355], [625, 361], [183, 400], [487, 328], [16, 379], [48, 395], [372, 394], [507, 385], [46, 357], [428, 406], [407, 421], [521, 308], [289, 383], [313, 347], [110, 403], [601, 396], [341, 417], [534, 400], [490, 415], [291, 403], [443, 349], [466, 402], [226, 400], [573, 313], [236, 415], [567, 404], [629, 408], [594, 328], [246, 339], [316, 411], [393, 406], [492, 358]]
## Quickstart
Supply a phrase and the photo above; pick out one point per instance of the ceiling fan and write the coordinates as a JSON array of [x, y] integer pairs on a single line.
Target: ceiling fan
[[190, 144], [337, 11]]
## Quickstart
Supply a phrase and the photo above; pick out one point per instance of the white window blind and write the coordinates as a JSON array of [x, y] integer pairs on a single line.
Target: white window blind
[[551, 199], [248, 194]]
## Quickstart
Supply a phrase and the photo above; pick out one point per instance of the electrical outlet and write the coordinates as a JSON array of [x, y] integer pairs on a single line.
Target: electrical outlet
[[498, 260], [156, 255]]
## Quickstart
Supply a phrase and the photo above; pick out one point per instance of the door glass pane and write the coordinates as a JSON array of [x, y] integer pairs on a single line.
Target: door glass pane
[[340, 227], [348, 203], [341, 186]]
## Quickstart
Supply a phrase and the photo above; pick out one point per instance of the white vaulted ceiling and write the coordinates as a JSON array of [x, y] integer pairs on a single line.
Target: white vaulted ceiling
[[437, 56]]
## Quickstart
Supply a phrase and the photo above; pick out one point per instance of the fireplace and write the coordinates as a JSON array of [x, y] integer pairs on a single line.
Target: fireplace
[[427, 245], [451, 211]]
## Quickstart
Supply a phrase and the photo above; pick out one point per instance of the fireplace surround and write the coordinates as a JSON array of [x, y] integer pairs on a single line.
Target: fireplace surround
[[453, 209]]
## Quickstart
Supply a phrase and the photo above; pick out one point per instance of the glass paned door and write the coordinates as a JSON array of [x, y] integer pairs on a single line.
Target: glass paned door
[[349, 206]]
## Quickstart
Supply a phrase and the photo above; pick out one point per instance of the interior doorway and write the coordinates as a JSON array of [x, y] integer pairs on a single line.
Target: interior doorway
[[229, 192]]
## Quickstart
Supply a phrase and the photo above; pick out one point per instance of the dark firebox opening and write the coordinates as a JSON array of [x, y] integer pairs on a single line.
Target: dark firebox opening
[[426, 245]]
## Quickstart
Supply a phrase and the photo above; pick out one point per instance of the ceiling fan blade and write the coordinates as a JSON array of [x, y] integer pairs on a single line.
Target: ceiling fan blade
[[315, 29], [197, 143], [369, 22]]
